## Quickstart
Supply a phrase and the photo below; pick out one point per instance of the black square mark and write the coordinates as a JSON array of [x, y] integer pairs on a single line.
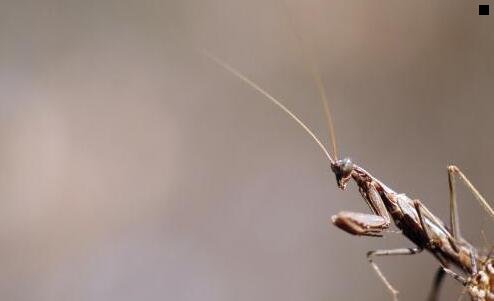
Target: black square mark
[[483, 9]]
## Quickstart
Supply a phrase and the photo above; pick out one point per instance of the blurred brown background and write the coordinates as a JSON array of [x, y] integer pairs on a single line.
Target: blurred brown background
[[133, 168]]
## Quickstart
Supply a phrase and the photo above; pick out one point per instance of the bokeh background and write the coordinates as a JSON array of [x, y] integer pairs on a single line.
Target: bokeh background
[[134, 168]]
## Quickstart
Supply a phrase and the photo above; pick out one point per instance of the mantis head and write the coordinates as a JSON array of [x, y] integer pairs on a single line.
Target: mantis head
[[343, 171]]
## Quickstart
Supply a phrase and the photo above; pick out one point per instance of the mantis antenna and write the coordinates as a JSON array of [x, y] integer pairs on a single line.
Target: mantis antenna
[[256, 87], [311, 63]]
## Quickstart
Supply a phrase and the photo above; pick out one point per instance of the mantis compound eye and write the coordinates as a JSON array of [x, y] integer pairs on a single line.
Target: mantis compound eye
[[342, 167], [346, 166]]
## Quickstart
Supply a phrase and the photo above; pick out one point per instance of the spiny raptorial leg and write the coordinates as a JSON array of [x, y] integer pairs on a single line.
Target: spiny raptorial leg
[[360, 223]]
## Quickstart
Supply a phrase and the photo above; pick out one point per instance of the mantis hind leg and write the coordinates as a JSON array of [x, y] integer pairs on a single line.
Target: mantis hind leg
[[455, 171], [394, 252]]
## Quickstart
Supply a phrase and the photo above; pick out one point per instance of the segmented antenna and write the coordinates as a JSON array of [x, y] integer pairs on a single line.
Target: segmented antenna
[[327, 110], [311, 63], [256, 87]]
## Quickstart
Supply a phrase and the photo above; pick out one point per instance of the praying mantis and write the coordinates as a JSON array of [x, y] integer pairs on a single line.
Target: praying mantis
[[456, 256]]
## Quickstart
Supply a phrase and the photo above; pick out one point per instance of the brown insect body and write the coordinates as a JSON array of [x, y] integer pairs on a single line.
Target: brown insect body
[[417, 223]]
